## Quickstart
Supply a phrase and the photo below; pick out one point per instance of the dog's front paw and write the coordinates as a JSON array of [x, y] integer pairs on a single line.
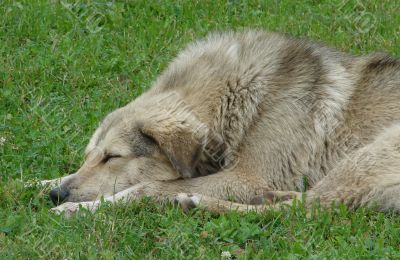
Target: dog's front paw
[[71, 208], [187, 201], [67, 208]]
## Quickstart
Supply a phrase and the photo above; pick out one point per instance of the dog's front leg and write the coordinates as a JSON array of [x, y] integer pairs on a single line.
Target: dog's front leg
[[71, 208], [133, 193]]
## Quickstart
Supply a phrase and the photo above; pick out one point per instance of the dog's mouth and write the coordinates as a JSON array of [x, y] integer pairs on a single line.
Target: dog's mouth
[[59, 195]]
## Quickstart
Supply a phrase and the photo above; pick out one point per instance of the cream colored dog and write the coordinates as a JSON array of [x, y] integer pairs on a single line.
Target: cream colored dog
[[254, 118]]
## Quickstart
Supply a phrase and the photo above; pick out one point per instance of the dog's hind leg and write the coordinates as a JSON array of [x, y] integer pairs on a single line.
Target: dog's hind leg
[[368, 177]]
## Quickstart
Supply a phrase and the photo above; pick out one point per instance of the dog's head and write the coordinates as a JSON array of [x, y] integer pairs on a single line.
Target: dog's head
[[153, 138]]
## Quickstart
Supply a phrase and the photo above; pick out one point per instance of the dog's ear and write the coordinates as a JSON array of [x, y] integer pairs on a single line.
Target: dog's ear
[[181, 140]]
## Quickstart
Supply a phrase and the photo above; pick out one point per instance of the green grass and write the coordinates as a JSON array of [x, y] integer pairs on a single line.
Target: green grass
[[64, 65]]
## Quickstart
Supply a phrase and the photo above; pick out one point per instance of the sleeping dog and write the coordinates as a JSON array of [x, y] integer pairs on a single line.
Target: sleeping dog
[[257, 118]]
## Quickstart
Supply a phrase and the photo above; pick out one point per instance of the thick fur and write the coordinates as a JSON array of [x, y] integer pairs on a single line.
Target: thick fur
[[244, 115]]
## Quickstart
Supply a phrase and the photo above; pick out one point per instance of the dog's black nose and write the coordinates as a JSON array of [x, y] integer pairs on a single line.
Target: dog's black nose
[[58, 195]]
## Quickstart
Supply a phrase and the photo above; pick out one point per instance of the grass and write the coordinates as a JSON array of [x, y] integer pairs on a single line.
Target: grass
[[64, 65]]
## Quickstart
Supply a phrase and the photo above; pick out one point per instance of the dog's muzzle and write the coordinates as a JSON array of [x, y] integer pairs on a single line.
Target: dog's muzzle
[[59, 195]]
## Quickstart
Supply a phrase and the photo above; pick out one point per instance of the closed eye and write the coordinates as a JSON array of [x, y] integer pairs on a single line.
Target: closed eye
[[108, 157]]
